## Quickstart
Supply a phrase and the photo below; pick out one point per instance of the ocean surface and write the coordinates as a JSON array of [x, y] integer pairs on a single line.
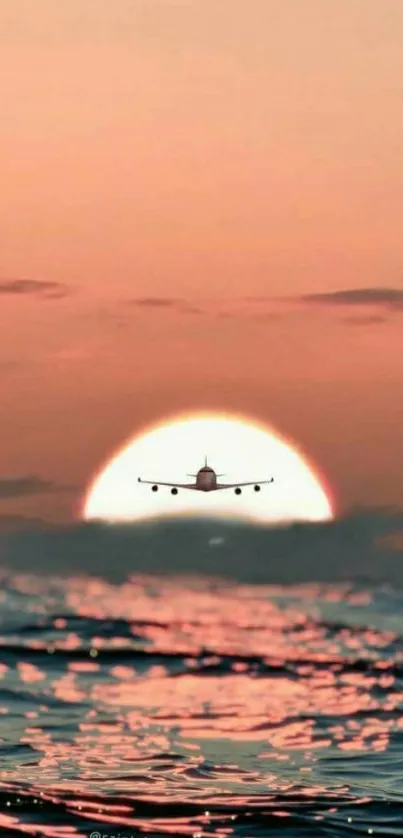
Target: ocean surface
[[194, 703]]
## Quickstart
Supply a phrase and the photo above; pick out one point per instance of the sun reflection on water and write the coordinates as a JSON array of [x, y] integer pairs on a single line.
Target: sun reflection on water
[[149, 703]]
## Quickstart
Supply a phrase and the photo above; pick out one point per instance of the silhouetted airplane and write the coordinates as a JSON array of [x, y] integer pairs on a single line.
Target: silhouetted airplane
[[206, 481]]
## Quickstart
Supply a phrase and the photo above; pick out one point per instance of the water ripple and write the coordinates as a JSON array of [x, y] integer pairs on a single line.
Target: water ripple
[[184, 706]]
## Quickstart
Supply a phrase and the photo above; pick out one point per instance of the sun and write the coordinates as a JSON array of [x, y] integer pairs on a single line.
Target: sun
[[237, 446]]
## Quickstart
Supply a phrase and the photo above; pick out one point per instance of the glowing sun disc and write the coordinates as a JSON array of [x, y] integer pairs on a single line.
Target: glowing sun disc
[[236, 446]]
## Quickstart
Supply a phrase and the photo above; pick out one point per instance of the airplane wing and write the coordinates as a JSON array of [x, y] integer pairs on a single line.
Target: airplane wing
[[236, 485], [173, 485]]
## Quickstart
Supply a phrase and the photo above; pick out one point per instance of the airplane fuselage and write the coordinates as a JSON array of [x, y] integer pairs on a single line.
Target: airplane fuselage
[[206, 479]]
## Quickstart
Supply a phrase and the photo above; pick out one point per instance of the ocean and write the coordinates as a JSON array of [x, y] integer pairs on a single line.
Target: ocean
[[202, 679]]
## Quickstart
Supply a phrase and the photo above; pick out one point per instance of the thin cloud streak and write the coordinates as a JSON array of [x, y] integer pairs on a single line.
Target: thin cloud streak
[[34, 287], [364, 321], [176, 304], [389, 298], [17, 487], [156, 302]]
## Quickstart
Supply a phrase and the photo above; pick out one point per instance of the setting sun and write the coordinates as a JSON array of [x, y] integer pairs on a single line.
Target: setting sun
[[238, 447]]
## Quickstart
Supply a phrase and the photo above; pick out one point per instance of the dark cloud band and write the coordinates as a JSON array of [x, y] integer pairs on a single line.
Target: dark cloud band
[[390, 298], [17, 487], [304, 552], [157, 302], [34, 287]]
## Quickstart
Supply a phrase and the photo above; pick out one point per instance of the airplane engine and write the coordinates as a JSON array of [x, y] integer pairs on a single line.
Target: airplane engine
[[154, 489], [174, 491], [238, 491], [257, 488]]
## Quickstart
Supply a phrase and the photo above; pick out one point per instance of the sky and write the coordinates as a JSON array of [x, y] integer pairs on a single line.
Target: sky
[[200, 208]]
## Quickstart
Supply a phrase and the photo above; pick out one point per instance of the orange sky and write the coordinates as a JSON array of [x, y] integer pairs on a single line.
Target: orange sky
[[206, 152]]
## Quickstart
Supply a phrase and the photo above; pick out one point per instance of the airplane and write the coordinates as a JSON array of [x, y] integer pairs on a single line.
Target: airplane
[[206, 481]]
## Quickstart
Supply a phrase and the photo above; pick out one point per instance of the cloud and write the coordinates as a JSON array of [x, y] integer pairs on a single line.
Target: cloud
[[157, 302], [34, 287], [17, 487], [389, 298], [177, 304], [259, 299], [23, 523], [364, 321], [360, 547], [266, 315], [189, 309], [386, 299]]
